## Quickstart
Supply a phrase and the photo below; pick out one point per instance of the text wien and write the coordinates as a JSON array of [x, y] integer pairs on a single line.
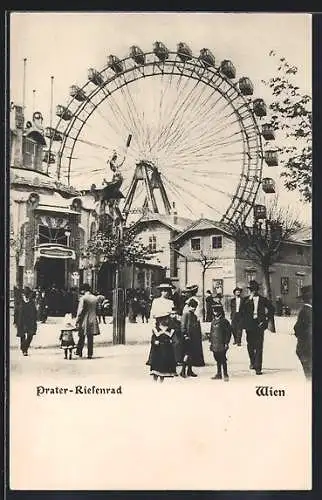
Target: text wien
[[265, 390]]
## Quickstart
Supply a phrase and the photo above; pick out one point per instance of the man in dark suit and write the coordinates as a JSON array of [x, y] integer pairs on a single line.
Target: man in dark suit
[[235, 315], [256, 313], [303, 332]]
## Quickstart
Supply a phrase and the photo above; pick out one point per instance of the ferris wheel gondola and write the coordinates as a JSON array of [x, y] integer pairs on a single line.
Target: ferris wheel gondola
[[189, 123]]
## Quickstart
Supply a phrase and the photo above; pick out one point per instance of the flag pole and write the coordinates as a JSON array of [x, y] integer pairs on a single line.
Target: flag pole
[[24, 88], [50, 118]]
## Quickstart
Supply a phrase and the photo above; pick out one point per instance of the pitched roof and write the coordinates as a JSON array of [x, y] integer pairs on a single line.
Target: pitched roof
[[204, 224], [303, 235], [168, 220]]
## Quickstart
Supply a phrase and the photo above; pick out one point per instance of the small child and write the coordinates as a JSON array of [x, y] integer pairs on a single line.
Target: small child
[[162, 358], [220, 334], [66, 336], [175, 325]]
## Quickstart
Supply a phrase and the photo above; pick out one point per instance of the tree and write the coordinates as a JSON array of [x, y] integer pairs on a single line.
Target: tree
[[292, 116], [263, 241], [205, 262], [118, 247]]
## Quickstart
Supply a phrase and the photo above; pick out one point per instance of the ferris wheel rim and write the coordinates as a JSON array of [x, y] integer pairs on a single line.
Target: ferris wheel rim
[[239, 206]]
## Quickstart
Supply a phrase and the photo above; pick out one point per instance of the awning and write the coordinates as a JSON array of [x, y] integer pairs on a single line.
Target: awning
[[62, 210], [51, 251]]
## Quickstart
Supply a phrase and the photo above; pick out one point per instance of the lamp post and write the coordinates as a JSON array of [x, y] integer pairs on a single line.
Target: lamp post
[[119, 297], [67, 234]]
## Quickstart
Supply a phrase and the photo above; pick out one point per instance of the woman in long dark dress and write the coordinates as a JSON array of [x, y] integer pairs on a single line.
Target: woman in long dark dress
[[162, 358], [192, 340], [26, 320]]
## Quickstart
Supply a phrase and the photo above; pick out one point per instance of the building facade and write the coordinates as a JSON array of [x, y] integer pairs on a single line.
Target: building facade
[[49, 222], [229, 265], [156, 231]]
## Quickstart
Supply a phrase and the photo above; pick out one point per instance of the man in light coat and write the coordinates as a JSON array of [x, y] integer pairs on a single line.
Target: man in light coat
[[86, 321]]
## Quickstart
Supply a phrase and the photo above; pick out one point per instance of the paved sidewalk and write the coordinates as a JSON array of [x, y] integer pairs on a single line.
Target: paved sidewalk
[[136, 333]]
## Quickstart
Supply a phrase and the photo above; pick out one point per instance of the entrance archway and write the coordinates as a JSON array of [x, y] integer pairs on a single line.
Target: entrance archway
[[51, 273]]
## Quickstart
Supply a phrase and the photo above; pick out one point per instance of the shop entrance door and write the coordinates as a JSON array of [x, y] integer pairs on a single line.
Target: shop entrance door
[[51, 273]]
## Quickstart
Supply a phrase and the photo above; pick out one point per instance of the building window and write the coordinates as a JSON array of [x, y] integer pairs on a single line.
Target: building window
[[299, 285], [285, 286], [51, 235], [152, 243], [218, 286], [29, 152], [195, 244], [216, 242]]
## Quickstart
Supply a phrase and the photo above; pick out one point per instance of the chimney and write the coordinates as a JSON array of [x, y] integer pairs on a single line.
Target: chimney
[[174, 213]]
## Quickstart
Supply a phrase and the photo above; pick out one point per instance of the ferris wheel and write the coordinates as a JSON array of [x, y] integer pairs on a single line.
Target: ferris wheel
[[195, 130]]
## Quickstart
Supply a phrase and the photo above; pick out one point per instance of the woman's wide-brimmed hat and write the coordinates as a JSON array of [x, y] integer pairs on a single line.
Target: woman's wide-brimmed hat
[[164, 286], [237, 288], [191, 289], [162, 315]]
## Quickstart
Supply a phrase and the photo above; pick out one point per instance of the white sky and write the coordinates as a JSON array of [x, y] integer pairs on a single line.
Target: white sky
[[65, 45]]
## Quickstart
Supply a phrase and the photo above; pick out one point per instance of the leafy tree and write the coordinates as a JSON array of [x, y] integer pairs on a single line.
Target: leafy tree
[[263, 241], [119, 247], [292, 116]]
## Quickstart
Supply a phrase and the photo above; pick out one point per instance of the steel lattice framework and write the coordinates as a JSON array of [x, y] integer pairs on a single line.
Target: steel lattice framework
[[239, 107]]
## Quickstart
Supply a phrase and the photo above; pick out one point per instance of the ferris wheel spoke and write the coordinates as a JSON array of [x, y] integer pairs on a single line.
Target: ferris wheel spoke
[[137, 121], [236, 119], [203, 138], [204, 130], [181, 89], [117, 112], [177, 193], [177, 112], [206, 146], [203, 185], [206, 173], [188, 104], [162, 109], [112, 124], [193, 195]]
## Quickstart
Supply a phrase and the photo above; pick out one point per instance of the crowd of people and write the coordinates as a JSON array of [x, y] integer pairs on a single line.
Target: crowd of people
[[175, 318], [177, 340]]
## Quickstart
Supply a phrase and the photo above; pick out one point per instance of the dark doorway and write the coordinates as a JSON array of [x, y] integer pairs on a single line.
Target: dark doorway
[[51, 272], [105, 278]]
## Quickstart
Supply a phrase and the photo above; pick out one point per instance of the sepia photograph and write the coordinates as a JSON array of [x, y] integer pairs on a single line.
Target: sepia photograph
[[160, 251]]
